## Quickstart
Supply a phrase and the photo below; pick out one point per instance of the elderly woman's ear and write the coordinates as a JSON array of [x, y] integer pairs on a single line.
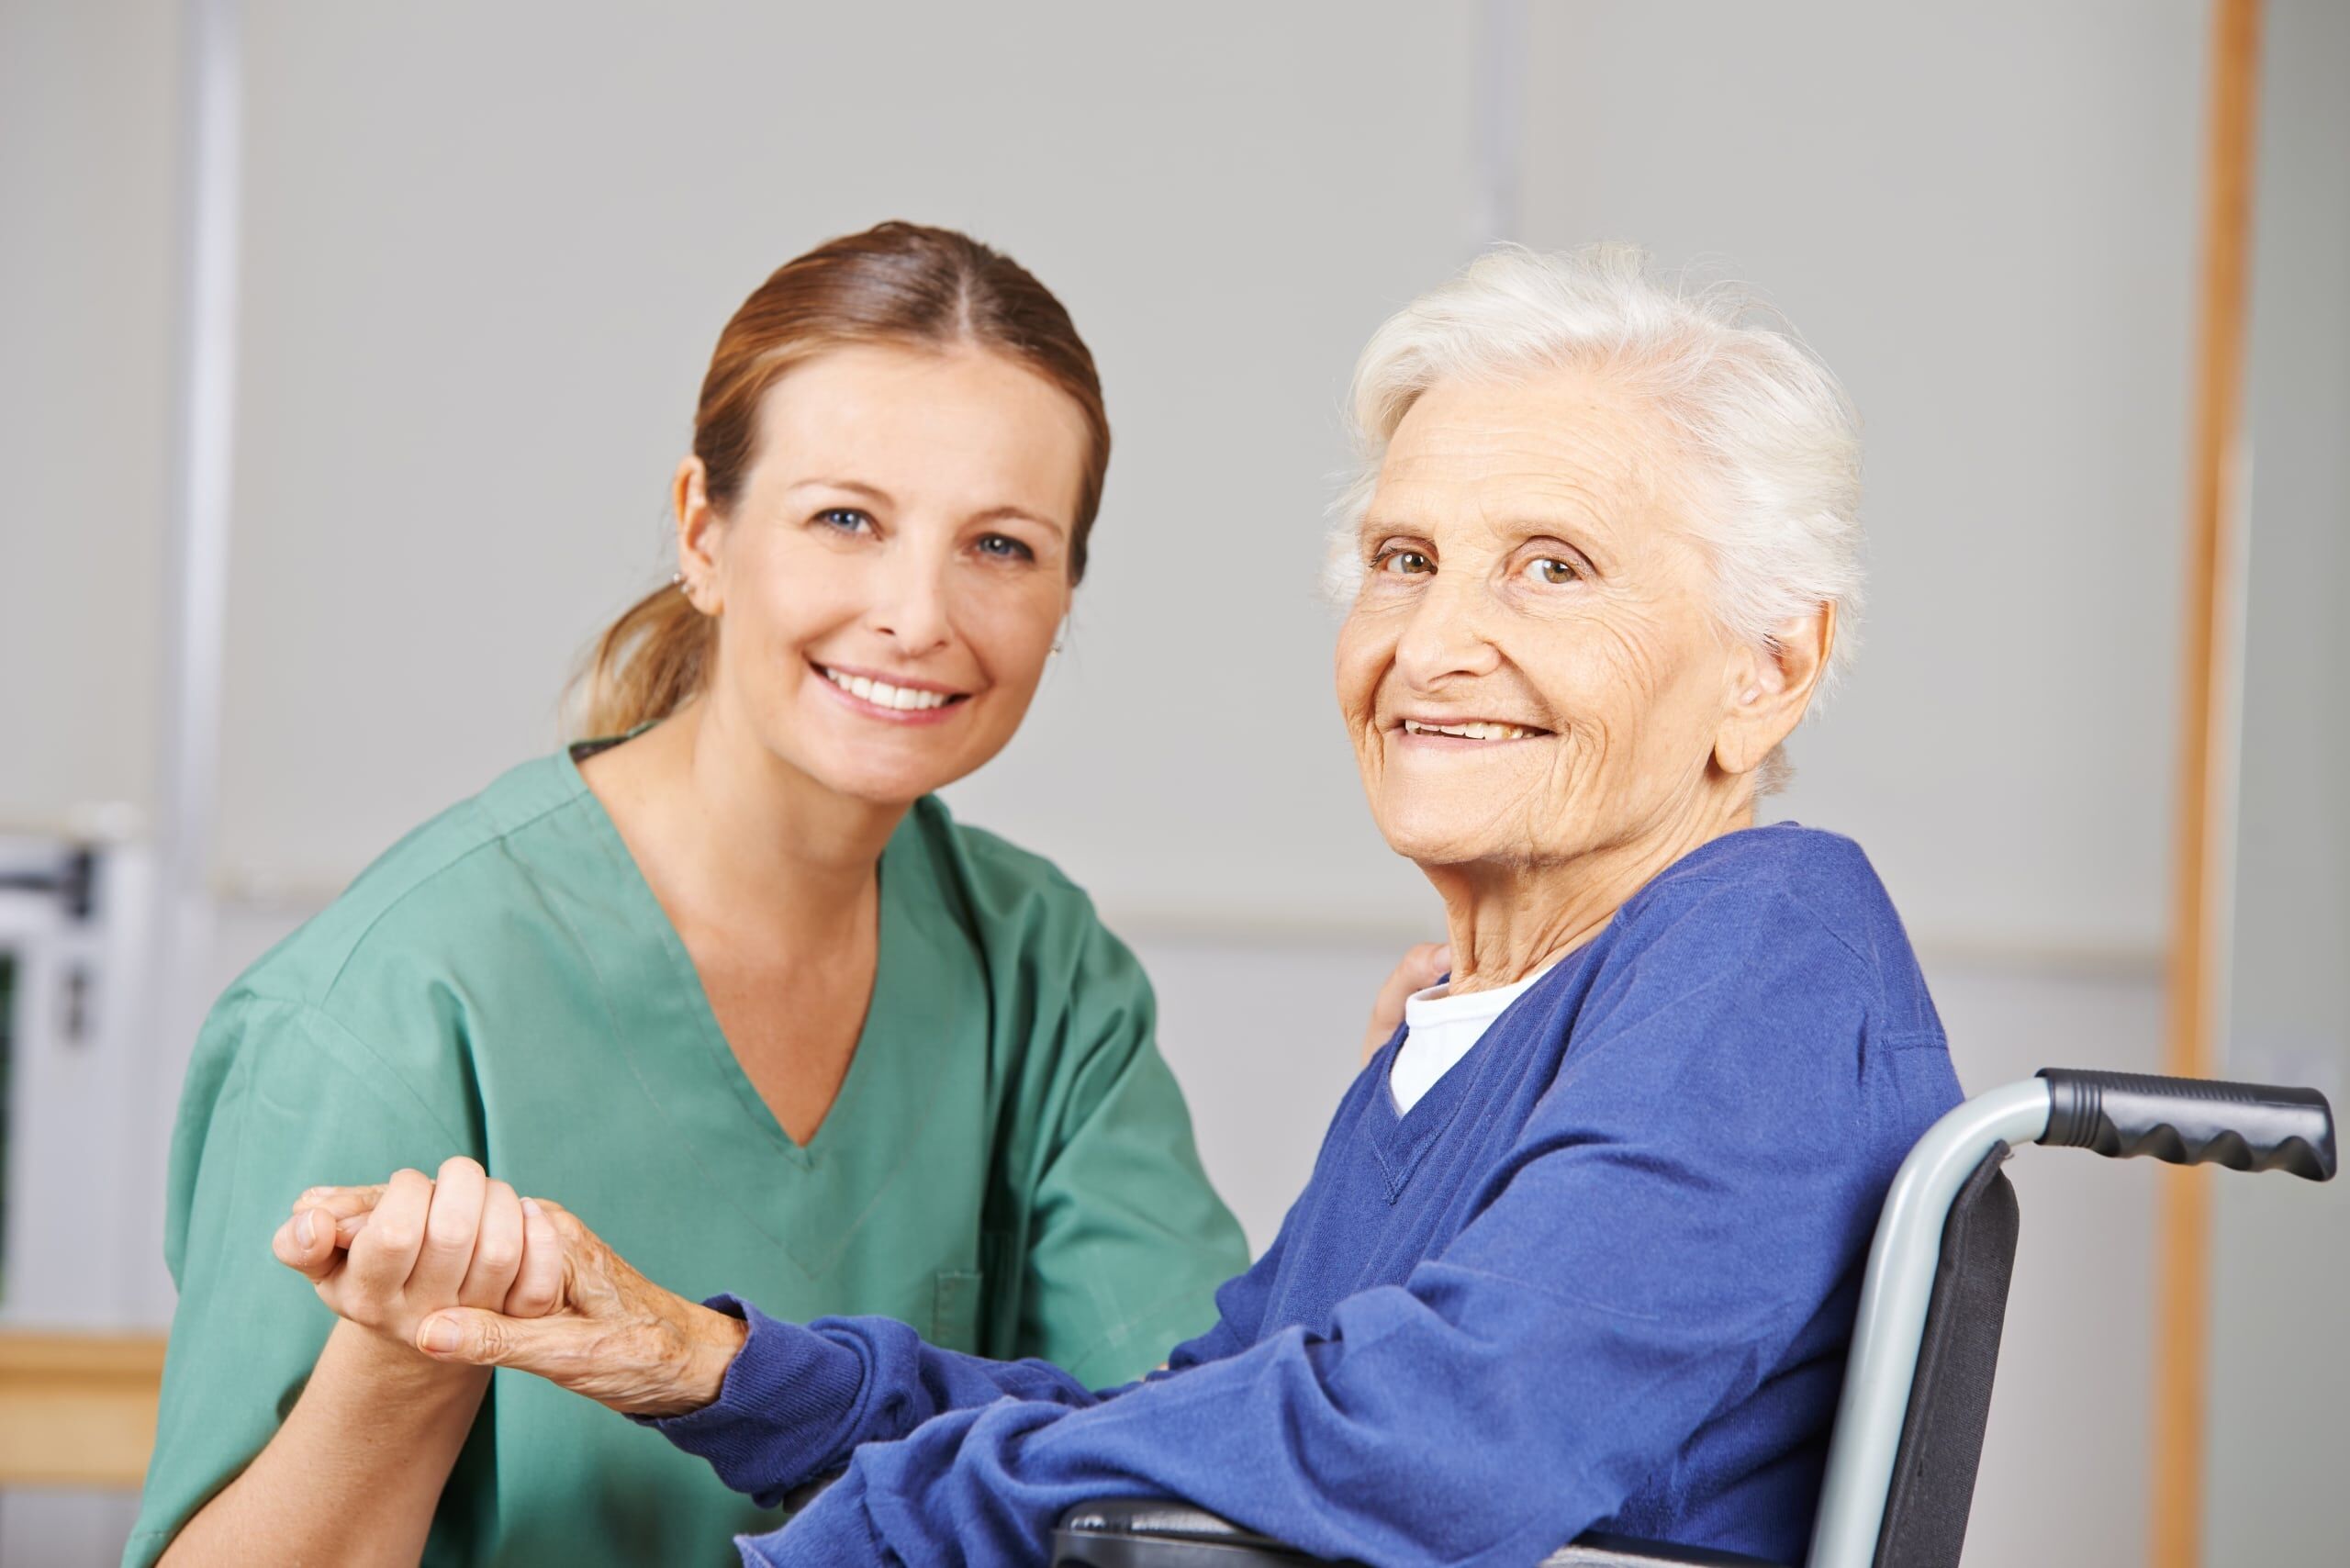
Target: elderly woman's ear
[[1770, 687]]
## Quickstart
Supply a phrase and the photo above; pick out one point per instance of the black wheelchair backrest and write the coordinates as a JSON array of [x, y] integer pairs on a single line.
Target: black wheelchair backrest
[[1950, 1400]]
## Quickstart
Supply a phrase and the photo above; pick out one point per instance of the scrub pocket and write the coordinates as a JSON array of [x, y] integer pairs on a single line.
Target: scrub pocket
[[954, 1313]]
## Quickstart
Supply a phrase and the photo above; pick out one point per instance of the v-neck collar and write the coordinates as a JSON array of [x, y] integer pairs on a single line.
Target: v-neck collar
[[1401, 1139], [922, 1045]]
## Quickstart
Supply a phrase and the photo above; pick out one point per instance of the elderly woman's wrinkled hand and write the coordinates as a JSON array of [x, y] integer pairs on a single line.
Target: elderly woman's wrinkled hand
[[569, 1308]]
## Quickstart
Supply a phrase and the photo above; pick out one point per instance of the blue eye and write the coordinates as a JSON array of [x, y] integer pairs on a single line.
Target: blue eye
[[1003, 547], [848, 520]]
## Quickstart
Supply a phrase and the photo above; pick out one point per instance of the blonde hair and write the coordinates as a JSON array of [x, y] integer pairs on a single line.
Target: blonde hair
[[646, 665]]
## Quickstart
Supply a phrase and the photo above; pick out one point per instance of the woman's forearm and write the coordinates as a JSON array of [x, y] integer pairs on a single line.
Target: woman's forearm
[[353, 1476]]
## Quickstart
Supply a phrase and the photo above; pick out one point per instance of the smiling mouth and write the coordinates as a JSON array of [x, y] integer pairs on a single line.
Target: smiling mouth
[[899, 699], [1474, 730]]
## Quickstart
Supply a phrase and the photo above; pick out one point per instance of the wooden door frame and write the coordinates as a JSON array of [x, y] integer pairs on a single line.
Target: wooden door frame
[[2193, 984]]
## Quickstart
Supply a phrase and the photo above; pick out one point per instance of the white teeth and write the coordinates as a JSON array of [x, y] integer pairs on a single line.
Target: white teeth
[[881, 694], [1479, 730]]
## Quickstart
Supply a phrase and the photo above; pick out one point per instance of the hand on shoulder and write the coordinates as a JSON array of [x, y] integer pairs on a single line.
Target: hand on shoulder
[[1419, 968]]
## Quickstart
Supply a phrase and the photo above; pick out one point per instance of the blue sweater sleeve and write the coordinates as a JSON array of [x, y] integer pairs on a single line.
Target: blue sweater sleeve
[[1698, 1180], [798, 1398]]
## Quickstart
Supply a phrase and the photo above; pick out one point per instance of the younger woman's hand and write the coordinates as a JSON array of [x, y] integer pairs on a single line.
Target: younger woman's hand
[[388, 1257], [574, 1313], [613, 1334]]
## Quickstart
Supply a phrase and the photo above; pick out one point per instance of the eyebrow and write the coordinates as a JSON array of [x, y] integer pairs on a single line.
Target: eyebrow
[[993, 514], [852, 485]]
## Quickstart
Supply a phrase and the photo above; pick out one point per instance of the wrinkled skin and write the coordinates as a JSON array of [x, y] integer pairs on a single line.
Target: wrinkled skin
[[1528, 570]]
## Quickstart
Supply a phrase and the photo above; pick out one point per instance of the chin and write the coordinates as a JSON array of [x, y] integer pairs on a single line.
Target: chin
[[1428, 835], [868, 762], [1463, 827], [882, 776], [883, 786]]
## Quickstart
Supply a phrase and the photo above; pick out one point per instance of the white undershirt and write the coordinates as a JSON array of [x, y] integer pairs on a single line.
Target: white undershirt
[[1441, 1029]]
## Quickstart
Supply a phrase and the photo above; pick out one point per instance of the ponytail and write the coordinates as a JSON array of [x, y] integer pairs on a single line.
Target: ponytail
[[647, 663]]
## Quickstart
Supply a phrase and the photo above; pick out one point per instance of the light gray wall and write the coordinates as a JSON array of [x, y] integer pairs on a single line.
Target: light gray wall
[[87, 100], [1983, 216], [2280, 1366], [481, 277], [483, 280]]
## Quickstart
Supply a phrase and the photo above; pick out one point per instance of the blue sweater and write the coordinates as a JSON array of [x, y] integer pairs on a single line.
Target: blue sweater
[[1601, 1276]]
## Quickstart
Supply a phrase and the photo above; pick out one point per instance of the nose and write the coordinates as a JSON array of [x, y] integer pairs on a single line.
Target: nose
[[1446, 637], [909, 602]]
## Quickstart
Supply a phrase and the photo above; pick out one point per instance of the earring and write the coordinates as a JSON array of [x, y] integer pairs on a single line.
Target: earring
[[692, 591]]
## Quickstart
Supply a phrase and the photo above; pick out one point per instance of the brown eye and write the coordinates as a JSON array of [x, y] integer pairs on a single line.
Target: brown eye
[[1405, 563], [1552, 571]]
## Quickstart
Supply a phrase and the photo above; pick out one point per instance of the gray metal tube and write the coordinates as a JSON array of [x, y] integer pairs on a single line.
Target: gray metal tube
[[1892, 1319]]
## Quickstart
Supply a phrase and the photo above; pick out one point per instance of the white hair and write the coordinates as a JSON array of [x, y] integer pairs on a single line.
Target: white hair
[[1769, 445]]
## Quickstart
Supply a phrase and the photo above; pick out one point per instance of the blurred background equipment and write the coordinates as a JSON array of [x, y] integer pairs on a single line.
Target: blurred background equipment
[[345, 354]]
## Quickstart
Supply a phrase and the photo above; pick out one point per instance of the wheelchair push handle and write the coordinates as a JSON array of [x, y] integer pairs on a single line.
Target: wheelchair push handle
[[2192, 1121]]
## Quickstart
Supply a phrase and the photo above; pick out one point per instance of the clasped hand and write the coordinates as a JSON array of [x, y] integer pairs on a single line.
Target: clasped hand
[[462, 1271]]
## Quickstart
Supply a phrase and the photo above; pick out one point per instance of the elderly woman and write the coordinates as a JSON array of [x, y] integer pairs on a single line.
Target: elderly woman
[[1583, 1242]]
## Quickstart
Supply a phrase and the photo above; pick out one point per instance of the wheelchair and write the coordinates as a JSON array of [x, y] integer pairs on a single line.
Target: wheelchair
[[1908, 1430]]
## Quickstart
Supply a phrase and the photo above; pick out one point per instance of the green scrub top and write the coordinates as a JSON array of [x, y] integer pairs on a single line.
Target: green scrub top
[[1008, 1167]]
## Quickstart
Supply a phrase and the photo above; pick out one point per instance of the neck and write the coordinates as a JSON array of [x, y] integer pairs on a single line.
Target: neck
[[727, 832], [1506, 921]]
